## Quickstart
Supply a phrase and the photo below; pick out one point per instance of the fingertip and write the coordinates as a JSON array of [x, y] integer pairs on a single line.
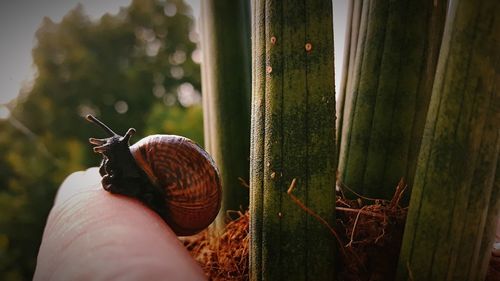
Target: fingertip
[[78, 182]]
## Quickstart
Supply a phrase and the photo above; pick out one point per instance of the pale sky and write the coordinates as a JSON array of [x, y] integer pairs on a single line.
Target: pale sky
[[20, 19]]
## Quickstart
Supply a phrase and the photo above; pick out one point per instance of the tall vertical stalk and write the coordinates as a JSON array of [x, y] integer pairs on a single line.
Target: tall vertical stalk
[[454, 202], [293, 137], [226, 96], [390, 60]]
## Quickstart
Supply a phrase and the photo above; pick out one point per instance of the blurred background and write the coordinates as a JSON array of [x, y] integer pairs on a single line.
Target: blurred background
[[131, 63]]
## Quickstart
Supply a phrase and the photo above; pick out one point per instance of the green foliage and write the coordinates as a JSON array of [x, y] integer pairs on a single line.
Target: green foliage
[[177, 121], [133, 69]]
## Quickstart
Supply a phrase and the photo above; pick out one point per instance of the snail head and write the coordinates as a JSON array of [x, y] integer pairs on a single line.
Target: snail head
[[113, 145]]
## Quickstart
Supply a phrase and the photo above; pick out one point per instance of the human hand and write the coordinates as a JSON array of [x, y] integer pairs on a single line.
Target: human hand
[[94, 235]]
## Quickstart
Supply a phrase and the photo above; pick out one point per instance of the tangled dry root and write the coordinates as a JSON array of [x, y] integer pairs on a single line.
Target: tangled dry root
[[369, 231]]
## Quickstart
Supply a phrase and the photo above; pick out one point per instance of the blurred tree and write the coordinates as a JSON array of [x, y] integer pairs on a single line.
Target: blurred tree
[[185, 122], [137, 69]]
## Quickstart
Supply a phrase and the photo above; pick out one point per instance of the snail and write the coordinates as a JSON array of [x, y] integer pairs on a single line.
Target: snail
[[170, 174]]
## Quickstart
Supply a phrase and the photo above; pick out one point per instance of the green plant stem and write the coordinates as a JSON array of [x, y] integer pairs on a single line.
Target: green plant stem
[[454, 204], [390, 60], [293, 137], [226, 97]]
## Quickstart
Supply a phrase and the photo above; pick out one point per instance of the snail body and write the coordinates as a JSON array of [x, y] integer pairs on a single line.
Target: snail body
[[170, 174]]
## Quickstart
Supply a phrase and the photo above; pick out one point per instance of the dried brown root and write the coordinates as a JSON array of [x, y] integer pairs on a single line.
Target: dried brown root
[[372, 229], [368, 231], [493, 269], [224, 258]]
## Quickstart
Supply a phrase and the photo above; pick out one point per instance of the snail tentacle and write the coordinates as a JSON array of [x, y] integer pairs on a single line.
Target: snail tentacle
[[99, 149], [130, 132], [94, 120], [97, 141]]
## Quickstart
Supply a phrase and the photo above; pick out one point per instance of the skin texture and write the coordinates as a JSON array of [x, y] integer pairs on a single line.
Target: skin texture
[[94, 235]]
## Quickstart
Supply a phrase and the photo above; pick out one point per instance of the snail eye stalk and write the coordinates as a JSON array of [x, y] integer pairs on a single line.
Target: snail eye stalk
[[128, 134], [96, 121]]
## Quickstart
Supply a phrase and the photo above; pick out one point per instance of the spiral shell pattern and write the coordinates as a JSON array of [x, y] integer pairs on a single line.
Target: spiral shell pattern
[[188, 176]]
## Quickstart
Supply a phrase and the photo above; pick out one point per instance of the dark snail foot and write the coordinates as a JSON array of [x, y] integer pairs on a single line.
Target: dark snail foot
[[135, 184], [139, 188], [102, 167], [107, 182]]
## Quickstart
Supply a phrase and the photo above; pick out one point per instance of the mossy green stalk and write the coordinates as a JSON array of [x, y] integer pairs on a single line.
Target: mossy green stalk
[[226, 82], [389, 66], [454, 203], [293, 137]]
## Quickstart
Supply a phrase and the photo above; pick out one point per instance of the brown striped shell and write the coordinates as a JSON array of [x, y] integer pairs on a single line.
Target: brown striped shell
[[188, 176]]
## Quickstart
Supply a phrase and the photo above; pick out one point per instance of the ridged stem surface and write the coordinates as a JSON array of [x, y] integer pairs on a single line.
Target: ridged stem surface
[[293, 137], [226, 85], [390, 59], [455, 200]]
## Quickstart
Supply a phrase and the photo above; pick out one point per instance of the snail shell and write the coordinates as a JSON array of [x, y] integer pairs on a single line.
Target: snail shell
[[170, 174], [188, 176]]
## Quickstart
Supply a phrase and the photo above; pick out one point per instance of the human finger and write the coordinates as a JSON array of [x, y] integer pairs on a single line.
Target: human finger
[[94, 235]]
